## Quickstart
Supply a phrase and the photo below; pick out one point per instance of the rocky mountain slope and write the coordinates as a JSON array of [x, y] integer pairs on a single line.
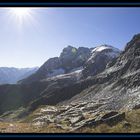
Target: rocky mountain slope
[[101, 92], [118, 85], [102, 99], [12, 75]]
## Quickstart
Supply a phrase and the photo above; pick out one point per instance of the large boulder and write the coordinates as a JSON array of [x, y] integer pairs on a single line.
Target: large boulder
[[113, 117]]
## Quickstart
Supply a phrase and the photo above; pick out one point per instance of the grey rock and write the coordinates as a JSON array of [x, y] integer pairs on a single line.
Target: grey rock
[[136, 106], [113, 118]]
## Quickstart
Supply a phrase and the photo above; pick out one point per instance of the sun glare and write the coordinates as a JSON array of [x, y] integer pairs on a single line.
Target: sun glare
[[20, 14]]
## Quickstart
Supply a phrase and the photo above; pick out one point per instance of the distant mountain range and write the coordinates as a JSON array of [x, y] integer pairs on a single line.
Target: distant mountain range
[[12, 75]]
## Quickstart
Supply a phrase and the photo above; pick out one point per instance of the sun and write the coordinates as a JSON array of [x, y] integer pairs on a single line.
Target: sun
[[20, 14]]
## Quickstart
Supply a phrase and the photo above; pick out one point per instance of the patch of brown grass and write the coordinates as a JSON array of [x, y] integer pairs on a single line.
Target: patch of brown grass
[[131, 124]]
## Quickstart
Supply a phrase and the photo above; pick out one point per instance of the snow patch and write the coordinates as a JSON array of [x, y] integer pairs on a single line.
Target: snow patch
[[56, 72], [77, 70], [74, 73], [103, 47], [99, 49], [114, 53]]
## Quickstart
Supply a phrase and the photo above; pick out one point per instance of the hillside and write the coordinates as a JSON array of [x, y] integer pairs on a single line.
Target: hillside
[[103, 90]]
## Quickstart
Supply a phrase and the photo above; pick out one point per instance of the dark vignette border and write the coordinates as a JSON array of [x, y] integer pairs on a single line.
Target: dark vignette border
[[69, 4], [72, 3]]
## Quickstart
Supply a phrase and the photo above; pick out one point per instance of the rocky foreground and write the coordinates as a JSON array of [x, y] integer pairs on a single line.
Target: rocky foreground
[[77, 117]]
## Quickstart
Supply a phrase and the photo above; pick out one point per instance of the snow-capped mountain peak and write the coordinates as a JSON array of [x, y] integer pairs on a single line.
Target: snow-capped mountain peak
[[99, 58], [104, 47]]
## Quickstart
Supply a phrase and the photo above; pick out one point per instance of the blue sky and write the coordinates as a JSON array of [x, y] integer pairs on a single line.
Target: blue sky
[[46, 31]]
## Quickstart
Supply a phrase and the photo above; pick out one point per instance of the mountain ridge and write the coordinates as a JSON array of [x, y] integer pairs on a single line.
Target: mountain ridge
[[10, 75], [71, 58]]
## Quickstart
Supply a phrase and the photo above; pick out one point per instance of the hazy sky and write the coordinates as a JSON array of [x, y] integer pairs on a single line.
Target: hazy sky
[[30, 39]]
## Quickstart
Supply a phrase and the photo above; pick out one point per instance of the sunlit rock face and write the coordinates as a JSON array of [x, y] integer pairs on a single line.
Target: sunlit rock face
[[67, 57], [72, 57], [82, 56]]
